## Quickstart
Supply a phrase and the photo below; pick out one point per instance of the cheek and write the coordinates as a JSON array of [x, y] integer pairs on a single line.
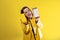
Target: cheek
[[30, 13]]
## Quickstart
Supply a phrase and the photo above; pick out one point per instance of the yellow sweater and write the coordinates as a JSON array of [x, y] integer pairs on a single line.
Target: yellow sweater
[[27, 30]]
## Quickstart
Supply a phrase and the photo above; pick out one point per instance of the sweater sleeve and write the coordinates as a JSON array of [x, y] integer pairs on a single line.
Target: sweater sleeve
[[25, 28]]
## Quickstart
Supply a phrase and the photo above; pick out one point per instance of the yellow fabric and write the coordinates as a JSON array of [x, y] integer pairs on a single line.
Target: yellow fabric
[[28, 34]]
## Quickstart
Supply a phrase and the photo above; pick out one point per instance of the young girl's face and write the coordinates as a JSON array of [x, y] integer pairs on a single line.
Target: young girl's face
[[27, 13]]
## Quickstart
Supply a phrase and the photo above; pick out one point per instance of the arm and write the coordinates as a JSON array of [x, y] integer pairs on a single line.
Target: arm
[[26, 28], [38, 22]]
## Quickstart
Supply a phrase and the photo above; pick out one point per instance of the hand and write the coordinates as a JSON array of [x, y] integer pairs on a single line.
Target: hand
[[26, 23], [37, 18]]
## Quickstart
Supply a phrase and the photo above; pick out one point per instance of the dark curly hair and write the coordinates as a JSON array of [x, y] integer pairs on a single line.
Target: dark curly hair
[[23, 9]]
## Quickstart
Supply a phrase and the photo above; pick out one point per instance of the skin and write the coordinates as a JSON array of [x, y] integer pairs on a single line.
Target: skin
[[28, 13]]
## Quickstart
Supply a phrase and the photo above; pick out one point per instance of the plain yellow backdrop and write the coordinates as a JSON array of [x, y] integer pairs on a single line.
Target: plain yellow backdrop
[[10, 28]]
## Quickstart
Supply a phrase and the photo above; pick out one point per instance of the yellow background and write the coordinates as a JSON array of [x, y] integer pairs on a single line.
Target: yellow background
[[10, 28]]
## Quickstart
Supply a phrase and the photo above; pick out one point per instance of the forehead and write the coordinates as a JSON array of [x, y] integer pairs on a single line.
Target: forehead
[[26, 9]]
